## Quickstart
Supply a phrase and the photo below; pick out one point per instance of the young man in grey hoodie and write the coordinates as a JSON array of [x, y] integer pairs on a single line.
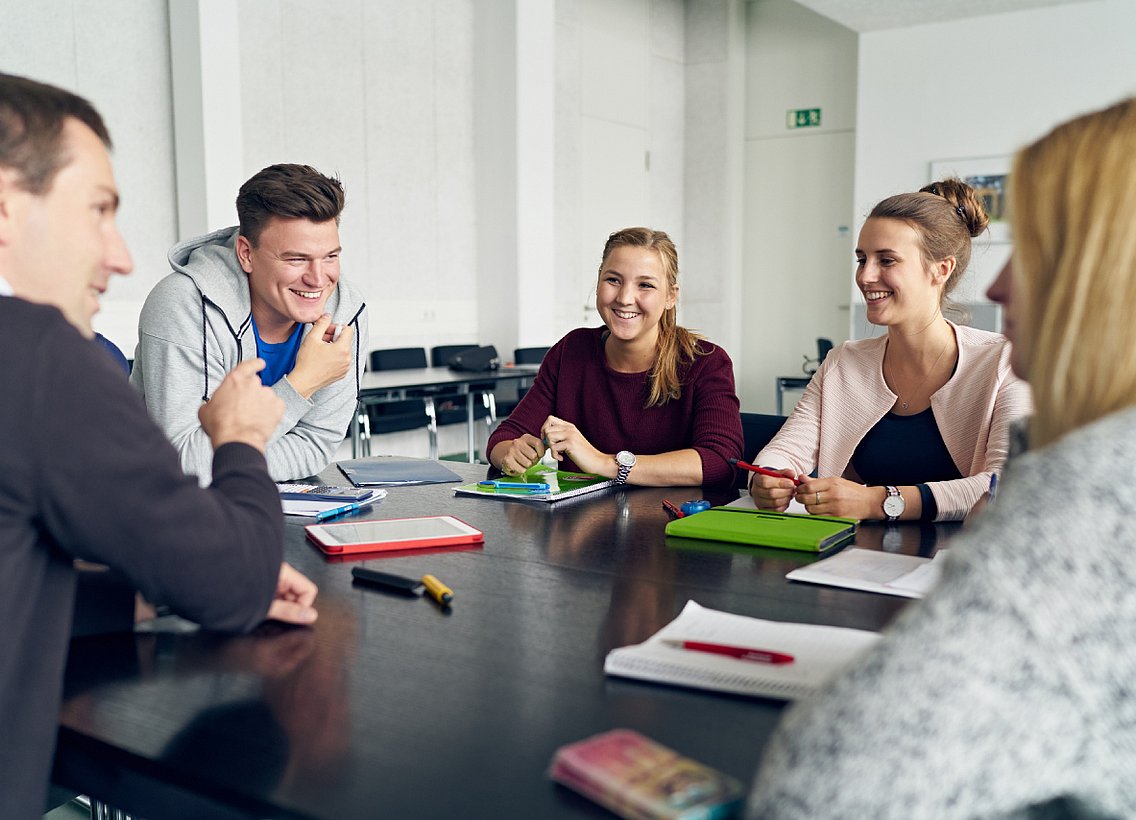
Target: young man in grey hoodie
[[269, 288]]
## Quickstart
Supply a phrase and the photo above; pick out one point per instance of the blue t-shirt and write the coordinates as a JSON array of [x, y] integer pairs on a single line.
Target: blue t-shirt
[[279, 358]]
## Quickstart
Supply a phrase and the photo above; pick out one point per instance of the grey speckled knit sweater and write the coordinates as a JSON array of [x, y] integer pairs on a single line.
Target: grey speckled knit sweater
[[1013, 685]]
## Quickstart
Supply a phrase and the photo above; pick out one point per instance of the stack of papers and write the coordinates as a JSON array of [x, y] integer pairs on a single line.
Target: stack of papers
[[313, 507], [907, 576]]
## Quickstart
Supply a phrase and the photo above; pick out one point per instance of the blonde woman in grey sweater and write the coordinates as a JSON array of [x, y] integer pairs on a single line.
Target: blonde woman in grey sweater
[[1011, 690]]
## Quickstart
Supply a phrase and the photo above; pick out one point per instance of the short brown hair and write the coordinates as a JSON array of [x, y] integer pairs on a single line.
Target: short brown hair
[[32, 115], [288, 191]]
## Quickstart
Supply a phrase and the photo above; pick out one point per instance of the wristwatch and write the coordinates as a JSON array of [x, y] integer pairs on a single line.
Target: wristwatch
[[626, 461], [894, 505]]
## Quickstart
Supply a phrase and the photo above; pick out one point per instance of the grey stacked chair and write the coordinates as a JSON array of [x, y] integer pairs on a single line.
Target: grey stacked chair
[[398, 416], [452, 410], [521, 355], [529, 355]]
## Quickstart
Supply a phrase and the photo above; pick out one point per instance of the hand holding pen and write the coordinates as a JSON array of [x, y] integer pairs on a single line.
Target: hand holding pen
[[771, 489]]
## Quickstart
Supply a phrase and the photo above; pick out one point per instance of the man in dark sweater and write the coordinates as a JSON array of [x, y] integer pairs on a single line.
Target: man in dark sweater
[[84, 473]]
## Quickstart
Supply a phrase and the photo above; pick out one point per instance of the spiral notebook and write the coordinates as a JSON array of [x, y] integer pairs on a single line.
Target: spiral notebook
[[561, 485], [819, 652]]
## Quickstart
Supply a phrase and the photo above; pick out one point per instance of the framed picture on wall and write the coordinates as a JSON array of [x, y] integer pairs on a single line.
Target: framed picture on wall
[[988, 177]]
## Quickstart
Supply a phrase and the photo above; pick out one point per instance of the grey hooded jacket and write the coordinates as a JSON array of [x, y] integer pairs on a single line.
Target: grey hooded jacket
[[196, 326]]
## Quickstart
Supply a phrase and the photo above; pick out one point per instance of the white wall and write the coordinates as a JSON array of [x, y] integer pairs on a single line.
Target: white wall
[[798, 193], [79, 46], [713, 184], [619, 139], [979, 88], [381, 93], [394, 97]]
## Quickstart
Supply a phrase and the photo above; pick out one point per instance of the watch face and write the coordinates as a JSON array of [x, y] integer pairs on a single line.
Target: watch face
[[894, 505], [625, 459]]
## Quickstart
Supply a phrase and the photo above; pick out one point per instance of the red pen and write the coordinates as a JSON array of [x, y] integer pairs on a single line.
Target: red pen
[[740, 652], [673, 510], [763, 471]]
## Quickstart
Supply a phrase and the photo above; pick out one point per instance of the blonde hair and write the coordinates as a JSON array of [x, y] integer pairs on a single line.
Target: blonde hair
[[1073, 205], [676, 345]]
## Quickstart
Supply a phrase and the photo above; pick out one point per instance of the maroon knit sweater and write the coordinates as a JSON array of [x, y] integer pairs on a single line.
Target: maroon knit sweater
[[576, 384]]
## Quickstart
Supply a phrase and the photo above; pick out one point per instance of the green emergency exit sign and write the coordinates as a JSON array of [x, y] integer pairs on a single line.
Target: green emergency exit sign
[[803, 118]]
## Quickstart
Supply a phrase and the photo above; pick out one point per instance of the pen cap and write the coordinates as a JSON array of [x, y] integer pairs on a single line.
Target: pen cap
[[437, 590]]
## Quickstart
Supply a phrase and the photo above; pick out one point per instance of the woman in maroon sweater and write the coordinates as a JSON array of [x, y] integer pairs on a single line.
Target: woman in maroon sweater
[[640, 400]]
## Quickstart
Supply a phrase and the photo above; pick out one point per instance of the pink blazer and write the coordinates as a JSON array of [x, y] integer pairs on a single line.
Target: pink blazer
[[848, 396]]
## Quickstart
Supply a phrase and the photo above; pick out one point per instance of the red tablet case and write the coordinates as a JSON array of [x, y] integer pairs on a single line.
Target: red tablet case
[[456, 540]]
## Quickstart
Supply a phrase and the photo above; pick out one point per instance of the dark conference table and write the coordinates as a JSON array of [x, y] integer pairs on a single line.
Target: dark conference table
[[392, 707]]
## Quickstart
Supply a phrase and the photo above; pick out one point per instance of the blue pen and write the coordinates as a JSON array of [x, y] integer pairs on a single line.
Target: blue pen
[[993, 486], [344, 510], [515, 485]]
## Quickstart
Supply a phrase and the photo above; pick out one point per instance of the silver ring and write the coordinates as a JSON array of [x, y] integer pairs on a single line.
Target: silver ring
[[818, 498]]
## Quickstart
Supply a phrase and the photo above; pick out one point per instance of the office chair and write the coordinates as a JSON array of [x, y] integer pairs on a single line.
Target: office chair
[[824, 346], [810, 366], [452, 411], [529, 355], [521, 355], [397, 416], [758, 429]]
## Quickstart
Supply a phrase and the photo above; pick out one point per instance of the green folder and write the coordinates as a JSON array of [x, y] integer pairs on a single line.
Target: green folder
[[807, 533]]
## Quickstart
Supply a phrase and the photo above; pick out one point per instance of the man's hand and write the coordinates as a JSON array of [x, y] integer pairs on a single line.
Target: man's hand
[[242, 409], [322, 359], [295, 595]]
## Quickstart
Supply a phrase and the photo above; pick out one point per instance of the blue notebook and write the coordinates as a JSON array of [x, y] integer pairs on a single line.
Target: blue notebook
[[386, 471]]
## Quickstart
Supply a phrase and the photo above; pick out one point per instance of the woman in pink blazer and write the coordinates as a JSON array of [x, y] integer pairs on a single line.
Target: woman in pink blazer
[[910, 425]]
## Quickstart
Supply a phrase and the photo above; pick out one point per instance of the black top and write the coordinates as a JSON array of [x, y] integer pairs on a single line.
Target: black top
[[904, 450], [86, 474]]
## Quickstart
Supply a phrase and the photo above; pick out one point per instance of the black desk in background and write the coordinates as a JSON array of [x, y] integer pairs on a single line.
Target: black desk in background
[[391, 707], [377, 387]]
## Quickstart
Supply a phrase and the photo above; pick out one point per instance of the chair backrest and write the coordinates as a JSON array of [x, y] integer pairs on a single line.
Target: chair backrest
[[398, 358], [758, 429], [441, 355], [823, 346], [529, 355]]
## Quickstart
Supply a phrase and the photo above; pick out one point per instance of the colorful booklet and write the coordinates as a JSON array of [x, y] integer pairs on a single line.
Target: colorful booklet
[[635, 777], [707, 649], [548, 485], [762, 528]]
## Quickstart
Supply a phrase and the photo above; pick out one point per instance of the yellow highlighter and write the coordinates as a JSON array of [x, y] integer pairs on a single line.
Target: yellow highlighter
[[437, 590]]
